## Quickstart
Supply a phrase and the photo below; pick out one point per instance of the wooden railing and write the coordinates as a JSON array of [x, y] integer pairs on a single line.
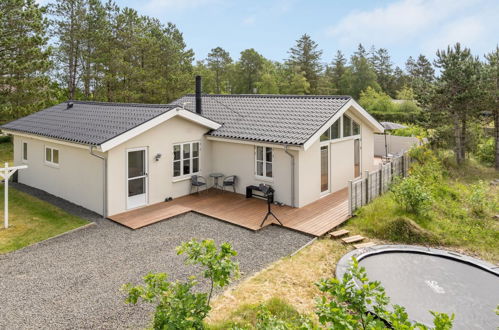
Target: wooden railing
[[373, 184]]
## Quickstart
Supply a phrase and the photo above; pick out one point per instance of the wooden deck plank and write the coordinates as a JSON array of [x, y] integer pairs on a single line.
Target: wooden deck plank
[[315, 219]]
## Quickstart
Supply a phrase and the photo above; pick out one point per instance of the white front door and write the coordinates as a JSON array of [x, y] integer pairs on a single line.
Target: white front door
[[136, 177]]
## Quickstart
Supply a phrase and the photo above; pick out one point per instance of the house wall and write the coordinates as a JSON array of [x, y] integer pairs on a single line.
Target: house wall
[[239, 159], [395, 144], [341, 163], [78, 178], [161, 183]]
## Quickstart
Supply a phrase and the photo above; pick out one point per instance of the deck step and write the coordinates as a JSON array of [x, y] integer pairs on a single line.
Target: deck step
[[339, 233], [364, 245], [353, 239]]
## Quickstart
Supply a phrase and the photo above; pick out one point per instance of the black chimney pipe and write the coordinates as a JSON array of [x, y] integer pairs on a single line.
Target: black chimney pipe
[[198, 94]]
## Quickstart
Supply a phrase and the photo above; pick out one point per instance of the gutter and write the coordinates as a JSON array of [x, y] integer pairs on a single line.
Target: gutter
[[292, 175], [104, 190]]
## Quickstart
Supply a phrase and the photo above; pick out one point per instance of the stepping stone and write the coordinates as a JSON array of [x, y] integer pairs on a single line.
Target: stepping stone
[[364, 245], [339, 233], [353, 239]]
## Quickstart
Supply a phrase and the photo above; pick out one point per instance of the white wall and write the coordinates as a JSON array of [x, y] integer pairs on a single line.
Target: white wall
[[161, 183], [239, 159], [395, 144], [341, 163], [78, 178]]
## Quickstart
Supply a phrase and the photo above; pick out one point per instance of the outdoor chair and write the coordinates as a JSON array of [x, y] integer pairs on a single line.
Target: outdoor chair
[[198, 181], [229, 181]]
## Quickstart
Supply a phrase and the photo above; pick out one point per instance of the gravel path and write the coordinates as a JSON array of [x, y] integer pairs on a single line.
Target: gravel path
[[73, 281]]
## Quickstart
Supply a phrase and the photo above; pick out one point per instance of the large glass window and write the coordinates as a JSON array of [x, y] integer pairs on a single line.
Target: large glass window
[[326, 135], [355, 128], [263, 161], [185, 159], [335, 130], [51, 156], [347, 126]]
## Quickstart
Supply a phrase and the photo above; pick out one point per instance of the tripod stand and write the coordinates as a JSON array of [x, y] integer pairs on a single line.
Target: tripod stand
[[269, 194]]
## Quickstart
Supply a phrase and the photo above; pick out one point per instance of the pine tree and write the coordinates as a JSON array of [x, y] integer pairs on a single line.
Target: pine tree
[[421, 76], [457, 93], [383, 68], [338, 70], [69, 17], [362, 73], [219, 61], [305, 57], [24, 58], [249, 69], [491, 99]]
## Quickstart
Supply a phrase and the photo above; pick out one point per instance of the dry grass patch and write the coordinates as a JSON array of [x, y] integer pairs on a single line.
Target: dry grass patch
[[291, 279]]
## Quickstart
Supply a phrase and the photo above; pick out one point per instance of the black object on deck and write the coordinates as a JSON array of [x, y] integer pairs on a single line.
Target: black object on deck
[[268, 194]]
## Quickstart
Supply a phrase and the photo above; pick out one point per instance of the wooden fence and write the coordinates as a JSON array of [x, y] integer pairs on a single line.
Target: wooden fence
[[373, 184]]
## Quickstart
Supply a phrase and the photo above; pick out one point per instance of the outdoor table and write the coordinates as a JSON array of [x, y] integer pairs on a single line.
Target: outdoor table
[[215, 177]]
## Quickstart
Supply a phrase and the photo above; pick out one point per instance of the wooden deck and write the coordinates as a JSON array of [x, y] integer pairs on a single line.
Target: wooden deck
[[315, 219]]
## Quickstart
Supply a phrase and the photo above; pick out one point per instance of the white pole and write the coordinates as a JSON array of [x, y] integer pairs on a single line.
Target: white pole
[[6, 196]]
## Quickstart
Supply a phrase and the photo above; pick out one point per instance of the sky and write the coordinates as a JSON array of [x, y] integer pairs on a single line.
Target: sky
[[404, 27]]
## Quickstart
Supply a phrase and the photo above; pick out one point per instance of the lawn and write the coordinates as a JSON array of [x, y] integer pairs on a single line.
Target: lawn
[[31, 220]]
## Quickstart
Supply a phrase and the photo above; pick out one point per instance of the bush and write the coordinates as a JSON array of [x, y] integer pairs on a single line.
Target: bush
[[177, 307], [5, 138], [412, 195], [485, 151], [478, 198]]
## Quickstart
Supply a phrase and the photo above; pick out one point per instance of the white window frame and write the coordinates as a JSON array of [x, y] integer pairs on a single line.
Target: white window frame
[[51, 161], [264, 163], [181, 160], [24, 151]]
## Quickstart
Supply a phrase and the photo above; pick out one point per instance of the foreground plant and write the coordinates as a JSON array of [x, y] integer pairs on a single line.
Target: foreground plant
[[177, 306], [354, 302]]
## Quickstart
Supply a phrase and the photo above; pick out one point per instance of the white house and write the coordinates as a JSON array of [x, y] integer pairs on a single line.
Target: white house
[[112, 157]]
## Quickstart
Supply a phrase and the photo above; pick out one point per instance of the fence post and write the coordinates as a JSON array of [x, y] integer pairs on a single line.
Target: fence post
[[350, 197], [403, 164], [381, 179], [368, 181]]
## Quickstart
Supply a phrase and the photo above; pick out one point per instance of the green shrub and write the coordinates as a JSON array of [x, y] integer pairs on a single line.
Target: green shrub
[[5, 138], [478, 198], [177, 306], [412, 195], [485, 151]]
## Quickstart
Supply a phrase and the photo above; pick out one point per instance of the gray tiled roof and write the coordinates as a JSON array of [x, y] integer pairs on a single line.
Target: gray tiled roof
[[87, 122], [286, 119]]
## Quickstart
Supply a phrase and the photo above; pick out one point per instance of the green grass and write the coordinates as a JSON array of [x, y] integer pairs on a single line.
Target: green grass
[[30, 220], [461, 216], [246, 316]]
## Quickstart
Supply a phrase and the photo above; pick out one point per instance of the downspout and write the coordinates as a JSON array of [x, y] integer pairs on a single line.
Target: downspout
[[104, 190], [292, 175]]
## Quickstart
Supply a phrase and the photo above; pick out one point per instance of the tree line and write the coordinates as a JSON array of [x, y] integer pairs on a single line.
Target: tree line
[[94, 50]]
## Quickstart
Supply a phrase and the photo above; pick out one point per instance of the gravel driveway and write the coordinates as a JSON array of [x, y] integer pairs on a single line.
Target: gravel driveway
[[73, 281]]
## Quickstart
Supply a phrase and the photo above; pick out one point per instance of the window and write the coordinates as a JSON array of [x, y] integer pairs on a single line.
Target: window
[[355, 128], [25, 151], [185, 159], [347, 126], [51, 156], [264, 162], [326, 135], [335, 130]]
